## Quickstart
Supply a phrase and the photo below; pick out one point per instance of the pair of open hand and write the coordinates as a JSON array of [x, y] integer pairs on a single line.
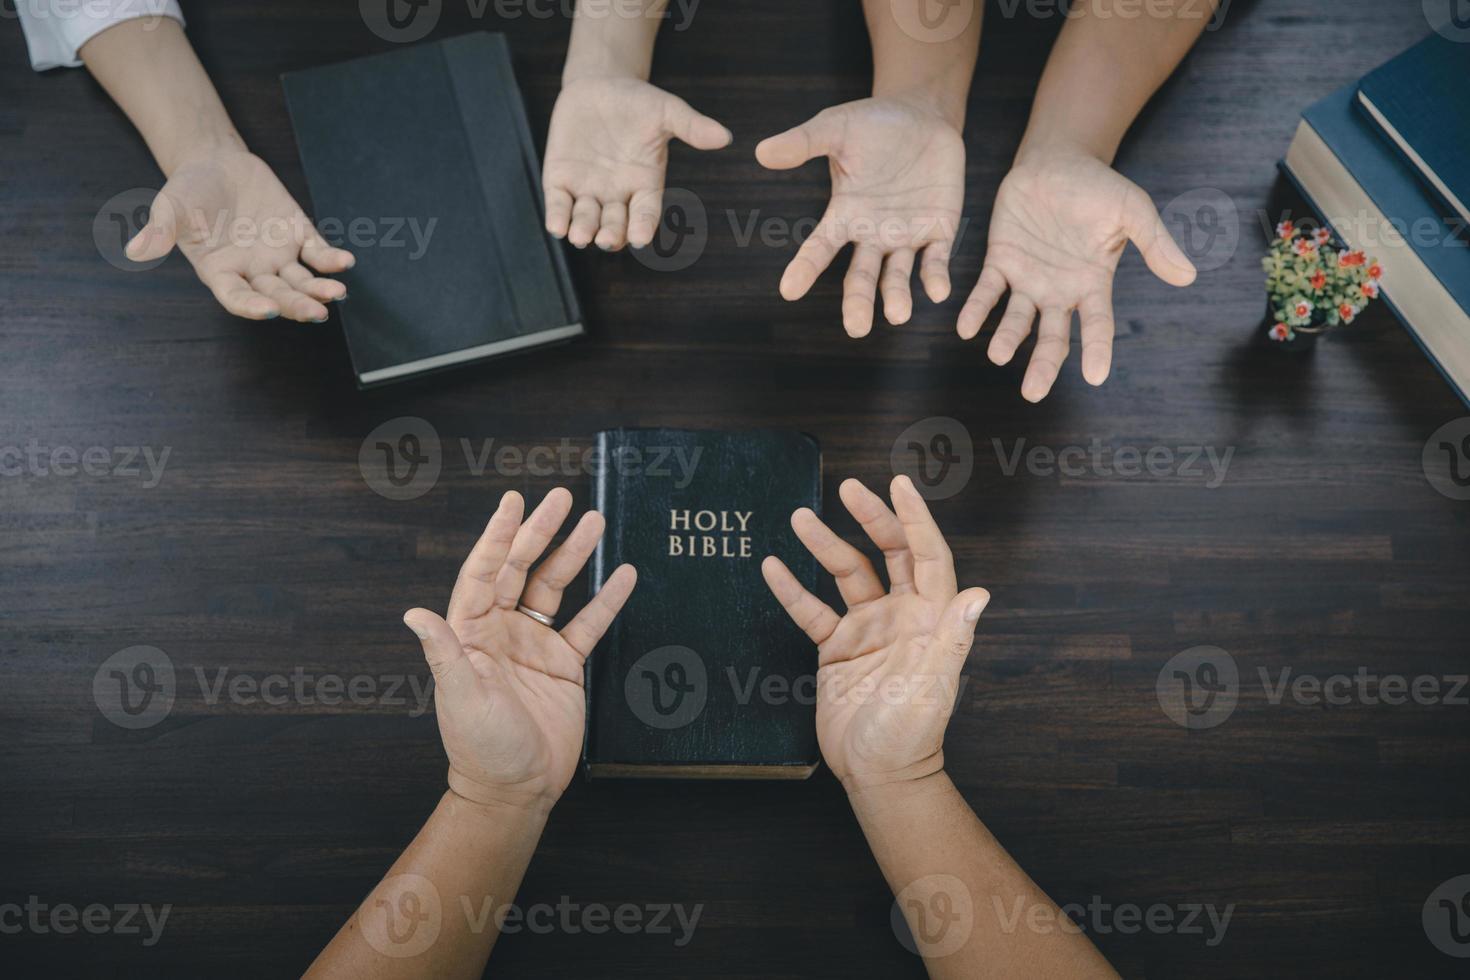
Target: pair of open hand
[[1059, 226], [508, 690]]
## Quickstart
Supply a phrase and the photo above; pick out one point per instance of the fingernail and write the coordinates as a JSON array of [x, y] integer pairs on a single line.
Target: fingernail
[[418, 631], [340, 299], [320, 320], [273, 314], [973, 610]]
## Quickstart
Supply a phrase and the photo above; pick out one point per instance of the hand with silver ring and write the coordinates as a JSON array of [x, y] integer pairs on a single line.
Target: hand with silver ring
[[508, 685]]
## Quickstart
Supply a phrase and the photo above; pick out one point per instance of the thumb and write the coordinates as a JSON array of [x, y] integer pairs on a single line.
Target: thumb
[[696, 129], [157, 237], [817, 137], [442, 648], [956, 630], [1151, 237]]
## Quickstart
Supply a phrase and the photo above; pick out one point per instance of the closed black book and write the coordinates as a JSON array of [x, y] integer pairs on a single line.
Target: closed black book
[[703, 675], [420, 163]]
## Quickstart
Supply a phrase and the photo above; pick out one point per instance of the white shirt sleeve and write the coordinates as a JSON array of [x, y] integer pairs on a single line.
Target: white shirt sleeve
[[55, 30]]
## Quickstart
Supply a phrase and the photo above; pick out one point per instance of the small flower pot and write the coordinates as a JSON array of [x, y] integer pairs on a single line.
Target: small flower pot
[[1284, 337]]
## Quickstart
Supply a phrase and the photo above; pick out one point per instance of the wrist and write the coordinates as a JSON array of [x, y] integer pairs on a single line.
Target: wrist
[[598, 57], [1042, 142], [940, 101], [518, 800], [206, 141], [875, 795]]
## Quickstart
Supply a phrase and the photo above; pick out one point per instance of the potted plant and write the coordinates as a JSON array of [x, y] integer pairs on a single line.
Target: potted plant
[[1313, 283]]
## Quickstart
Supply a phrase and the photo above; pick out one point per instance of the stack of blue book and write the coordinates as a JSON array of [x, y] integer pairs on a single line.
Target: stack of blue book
[[1385, 162]]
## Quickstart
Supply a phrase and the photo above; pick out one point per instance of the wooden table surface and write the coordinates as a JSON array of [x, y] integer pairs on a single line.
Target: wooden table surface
[[263, 550]]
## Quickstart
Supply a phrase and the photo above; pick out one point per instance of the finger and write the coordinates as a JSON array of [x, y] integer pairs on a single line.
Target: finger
[[934, 271], [237, 297], [544, 590], [883, 529], [814, 617], [933, 564], [157, 238], [1012, 329], [1053, 341], [294, 305], [531, 539], [817, 137], [474, 591], [955, 633], [613, 234], [856, 580], [645, 211], [321, 256], [586, 217], [696, 129], [558, 211], [1148, 233], [983, 297], [442, 649], [858, 289], [898, 302], [1096, 314], [299, 277], [587, 627], [812, 259]]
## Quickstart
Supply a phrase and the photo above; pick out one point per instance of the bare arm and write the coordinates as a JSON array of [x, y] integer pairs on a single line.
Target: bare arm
[[931, 63]]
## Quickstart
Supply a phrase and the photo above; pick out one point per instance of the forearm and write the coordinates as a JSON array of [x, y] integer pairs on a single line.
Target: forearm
[[152, 73], [936, 72], [970, 907], [465, 864], [1109, 59], [606, 43]]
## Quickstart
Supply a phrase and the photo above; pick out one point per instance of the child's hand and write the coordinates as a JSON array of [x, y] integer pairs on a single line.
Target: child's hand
[[606, 154]]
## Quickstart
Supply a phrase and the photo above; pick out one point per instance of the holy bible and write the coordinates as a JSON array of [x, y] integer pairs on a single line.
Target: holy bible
[[702, 675]]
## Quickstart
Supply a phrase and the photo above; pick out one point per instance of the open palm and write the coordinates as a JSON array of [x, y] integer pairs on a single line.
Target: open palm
[[888, 670], [246, 237], [508, 690], [1057, 231], [606, 154], [898, 184]]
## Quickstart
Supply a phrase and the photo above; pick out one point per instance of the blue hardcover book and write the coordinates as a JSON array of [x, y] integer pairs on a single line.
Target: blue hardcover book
[[1371, 198], [1421, 102]]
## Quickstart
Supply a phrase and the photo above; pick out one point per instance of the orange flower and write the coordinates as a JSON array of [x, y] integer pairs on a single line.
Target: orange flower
[[1319, 280]]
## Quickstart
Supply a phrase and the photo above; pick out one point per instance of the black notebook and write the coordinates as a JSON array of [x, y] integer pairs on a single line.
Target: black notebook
[[703, 675], [421, 164]]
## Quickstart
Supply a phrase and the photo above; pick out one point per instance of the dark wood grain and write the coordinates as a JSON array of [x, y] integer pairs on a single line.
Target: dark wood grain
[[264, 550]]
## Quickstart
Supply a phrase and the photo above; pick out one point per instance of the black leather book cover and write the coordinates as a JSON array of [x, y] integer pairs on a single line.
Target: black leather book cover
[[420, 163], [702, 675]]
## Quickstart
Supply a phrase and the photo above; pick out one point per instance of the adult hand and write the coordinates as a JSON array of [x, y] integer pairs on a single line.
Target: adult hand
[[1059, 226], [606, 154], [888, 669], [508, 690], [246, 237], [898, 176]]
